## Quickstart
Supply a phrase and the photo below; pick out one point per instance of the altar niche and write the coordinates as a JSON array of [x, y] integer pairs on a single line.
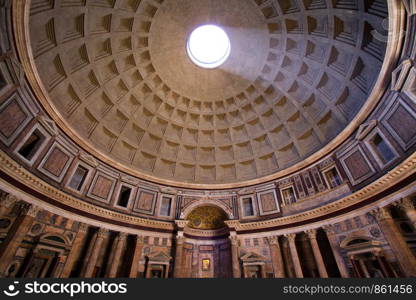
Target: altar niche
[[46, 258], [203, 246], [158, 265]]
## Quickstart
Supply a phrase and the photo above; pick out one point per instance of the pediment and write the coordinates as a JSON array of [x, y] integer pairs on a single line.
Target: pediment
[[159, 256], [252, 256]]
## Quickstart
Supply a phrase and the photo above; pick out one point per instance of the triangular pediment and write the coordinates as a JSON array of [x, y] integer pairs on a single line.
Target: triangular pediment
[[365, 129], [159, 256], [252, 256]]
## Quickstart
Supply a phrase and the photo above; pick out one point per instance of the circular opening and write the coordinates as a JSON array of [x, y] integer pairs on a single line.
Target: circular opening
[[208, 46]]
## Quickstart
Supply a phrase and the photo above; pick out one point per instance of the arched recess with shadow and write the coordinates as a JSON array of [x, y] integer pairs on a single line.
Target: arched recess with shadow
[[47, 256], [206, 246]]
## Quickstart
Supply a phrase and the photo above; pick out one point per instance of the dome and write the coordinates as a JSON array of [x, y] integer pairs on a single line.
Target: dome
[[120, 80], [207, 139]]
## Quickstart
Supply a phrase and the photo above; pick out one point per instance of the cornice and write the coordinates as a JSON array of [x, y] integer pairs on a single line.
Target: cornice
[[394, 46], [406, 169], [392, 178], [13, 169]]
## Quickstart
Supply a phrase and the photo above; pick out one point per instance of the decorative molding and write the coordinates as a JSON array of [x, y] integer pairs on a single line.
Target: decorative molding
[[399, 173], [13, 169]]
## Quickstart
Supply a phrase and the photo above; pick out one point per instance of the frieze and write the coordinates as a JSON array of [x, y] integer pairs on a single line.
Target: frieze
[[405, 169]]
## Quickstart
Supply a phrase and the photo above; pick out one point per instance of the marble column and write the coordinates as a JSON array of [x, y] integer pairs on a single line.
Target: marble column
[[317, 253], [294, 254], [342, 267], [276, 255], [364, 268], [356, 267], [289, 268], [75, 251], [114, 263], [136, 257], [235, 255], [406, 205], [398, 245], [16, 234], [57, 271], [93, 252], [177, 270], [6, 203]]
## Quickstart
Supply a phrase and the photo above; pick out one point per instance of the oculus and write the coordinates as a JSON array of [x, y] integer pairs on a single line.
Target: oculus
[[208, 46]]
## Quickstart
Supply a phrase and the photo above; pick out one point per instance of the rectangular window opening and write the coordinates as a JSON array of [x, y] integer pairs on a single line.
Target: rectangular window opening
[[166, 206], [289, 195], [31, 145], [333, 178], [3, 82], [382, 149], [248, 207], [124, 196], [78, 178]]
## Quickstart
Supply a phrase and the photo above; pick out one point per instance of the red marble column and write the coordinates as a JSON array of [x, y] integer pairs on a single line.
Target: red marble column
[[75, 251], [16, 235], [276, 255], [398, 245], [178, 266], [235, 256], [357, 267], [294, 254], [114, 264], [136, 257], [93, 252], [317, 253]]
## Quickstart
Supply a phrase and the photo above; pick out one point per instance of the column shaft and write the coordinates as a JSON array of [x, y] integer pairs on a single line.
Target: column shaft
[[177, 270], [277, 259], [317, 254], [136, 257], [342, 267], [75, 251], [294, 254], [119, 244], [364, 268], [95, 250], [398, 245], [235, 257]]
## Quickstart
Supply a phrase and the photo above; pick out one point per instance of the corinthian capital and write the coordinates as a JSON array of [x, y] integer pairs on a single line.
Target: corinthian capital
[[381, 213], [102, 232], [83, 227], [405, 204], [329, 229], [7, 200], [234, 240], [29, 210], [122, 236], [273, 240], [311, 233], [291, 237], [139, 239]]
